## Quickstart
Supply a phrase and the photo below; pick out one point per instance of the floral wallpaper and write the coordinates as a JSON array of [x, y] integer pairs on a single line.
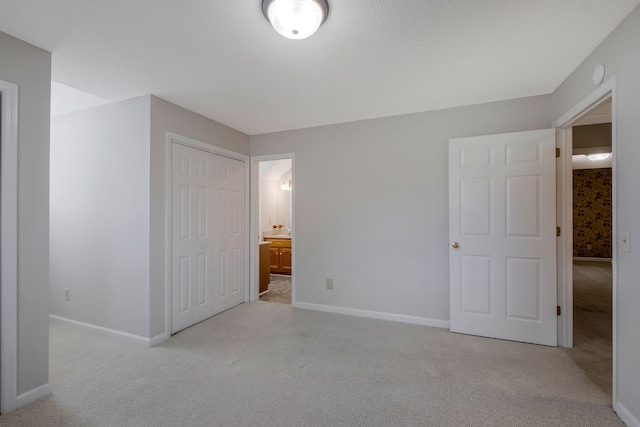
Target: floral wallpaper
[[592, 213]]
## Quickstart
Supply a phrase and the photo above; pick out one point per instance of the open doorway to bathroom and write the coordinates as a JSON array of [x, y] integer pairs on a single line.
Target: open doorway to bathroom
[[275, 188]]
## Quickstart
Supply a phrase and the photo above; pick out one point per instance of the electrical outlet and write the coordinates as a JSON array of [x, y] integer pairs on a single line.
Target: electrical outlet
[[66, 294], [329, 283]]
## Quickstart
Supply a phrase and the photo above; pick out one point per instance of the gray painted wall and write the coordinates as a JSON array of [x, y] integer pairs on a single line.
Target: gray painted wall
[[99, 219], [371, 204], [592, 136], [621, 53], [30, 68]]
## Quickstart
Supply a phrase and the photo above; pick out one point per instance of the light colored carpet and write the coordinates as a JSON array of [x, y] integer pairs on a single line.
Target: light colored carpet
[[265, 364]]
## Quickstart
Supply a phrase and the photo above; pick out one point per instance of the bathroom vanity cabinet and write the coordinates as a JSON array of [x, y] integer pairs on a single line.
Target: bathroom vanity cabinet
[[280, 255]]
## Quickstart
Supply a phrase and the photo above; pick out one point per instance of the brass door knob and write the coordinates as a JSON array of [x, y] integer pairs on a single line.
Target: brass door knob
[[455, 245]]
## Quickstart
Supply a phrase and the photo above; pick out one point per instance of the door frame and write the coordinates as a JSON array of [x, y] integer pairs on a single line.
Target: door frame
[[9, 247], [171, 138], [606, 91], [255, 225]]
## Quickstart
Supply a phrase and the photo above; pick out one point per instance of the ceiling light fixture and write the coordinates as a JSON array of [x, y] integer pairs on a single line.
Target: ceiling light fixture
[[295, 19], [598, 156]]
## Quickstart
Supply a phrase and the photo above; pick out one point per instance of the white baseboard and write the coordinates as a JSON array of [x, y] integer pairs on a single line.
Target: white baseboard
[[158, 339], [136, 339], [32, 395], [626, 416], [587, 258], [436, 323]]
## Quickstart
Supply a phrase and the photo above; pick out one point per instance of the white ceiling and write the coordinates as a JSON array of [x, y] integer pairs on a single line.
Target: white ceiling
[[371, 58]]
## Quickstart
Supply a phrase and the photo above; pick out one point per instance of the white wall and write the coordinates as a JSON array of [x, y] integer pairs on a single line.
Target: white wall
[[167, 117], [100, 216], [268, 205], [628, 215], [372, 204], [621, 53], [30, 68], [284, 201], [275, 203]]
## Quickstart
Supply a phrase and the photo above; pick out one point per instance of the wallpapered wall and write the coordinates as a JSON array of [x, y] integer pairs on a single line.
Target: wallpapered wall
[[592, 213]]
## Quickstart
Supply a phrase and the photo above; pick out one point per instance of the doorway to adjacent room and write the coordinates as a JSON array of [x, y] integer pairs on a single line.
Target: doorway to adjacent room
[[593, 246], [576, 294], [273, 224]]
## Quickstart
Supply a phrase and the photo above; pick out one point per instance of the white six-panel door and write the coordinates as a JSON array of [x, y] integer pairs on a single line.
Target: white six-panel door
[[502, 236], [207, 235]]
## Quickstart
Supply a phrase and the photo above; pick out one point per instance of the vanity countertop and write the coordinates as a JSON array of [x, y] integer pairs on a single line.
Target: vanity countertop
[[278, 236]]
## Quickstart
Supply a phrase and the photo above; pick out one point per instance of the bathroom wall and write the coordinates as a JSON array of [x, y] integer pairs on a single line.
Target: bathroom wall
[[268, 204], [275, 203], [284, 201]]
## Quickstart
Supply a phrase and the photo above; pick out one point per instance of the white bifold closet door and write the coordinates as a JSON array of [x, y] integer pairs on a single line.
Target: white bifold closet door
[[228, 217], [207, 235]]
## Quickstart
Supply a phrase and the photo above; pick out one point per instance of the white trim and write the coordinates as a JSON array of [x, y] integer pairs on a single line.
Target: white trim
[[136, 339], [171, 138], [590, 103], [158, 339], [194, 143], [414, 320], [564, 246], [626, 415], [614, 240], [255, 226], [167, 234], [31, 396], [584, 107], [591, 259], [9, 248]]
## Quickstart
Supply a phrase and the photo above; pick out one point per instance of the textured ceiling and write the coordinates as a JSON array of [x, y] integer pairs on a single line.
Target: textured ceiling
[[371, 58]]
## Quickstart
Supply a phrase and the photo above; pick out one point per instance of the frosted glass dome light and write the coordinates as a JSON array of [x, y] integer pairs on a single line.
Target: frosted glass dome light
[[295, 19], [598, 156]]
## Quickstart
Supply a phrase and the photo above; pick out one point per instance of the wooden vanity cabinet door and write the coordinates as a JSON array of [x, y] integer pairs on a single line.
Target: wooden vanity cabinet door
[[274, 259], [280, 255], [285, 260]]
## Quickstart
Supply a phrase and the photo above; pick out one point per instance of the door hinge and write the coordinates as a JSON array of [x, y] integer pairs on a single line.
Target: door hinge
[[559, 310], [557, 151], [557, 231]]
